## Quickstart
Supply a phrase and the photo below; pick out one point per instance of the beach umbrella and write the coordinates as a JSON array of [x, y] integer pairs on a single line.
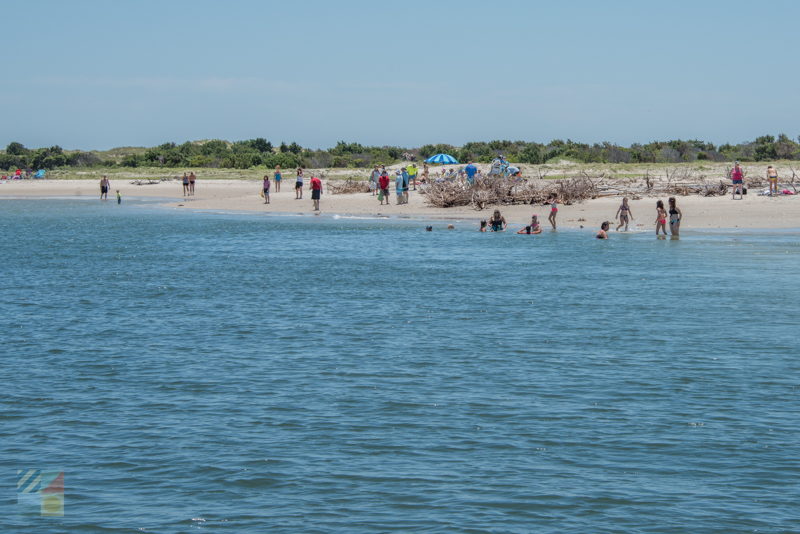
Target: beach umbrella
[[441, 158]]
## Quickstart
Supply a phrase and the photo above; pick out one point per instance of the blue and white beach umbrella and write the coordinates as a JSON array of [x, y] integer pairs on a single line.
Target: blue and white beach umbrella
[[441, 158]]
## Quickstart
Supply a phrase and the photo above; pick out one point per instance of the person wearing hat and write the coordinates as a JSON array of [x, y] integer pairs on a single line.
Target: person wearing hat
[[412, 174]]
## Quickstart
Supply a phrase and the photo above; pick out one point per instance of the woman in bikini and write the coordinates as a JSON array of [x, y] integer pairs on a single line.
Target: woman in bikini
[[661, 217], [772, 178], [624, 214], [553, 201], [675, 217]]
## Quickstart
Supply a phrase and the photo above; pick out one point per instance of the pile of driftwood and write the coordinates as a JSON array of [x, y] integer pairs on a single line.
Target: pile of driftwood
[[346, 187], [489, 191], [676, 181]]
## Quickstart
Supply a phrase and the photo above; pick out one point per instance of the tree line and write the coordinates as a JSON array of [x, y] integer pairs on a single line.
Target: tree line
[[262, 153]]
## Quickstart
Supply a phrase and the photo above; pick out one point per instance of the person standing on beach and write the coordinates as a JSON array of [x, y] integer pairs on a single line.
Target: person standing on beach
[[383, 184], [104, 187], [425, 172], [471, 170], [675, 217], [404, 173], [772, 178], [298, 184], [192, 179], [553, 201], [398, 187], [265, 189], [661, 218], [373, 180], [316, 191], [624, 214], [185, 184], [737, 178], [278, 177], [412, 175]]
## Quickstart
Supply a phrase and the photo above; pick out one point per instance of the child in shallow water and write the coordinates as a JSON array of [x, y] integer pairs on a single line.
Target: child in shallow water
[[533, 228], [661, 217], [483, 226]]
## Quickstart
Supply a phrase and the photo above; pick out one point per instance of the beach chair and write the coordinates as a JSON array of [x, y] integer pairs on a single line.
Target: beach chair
[[40, 173]]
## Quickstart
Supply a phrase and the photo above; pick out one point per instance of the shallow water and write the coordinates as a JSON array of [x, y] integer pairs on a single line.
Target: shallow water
[[222, 372]]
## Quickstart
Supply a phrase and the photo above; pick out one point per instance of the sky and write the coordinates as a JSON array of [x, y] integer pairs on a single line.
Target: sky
[[102, 74]]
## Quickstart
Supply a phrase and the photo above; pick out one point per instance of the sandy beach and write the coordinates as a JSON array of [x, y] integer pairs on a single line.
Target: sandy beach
[[243, 195]]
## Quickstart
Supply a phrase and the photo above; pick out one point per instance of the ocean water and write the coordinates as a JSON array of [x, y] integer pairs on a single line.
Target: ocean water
[[223, 372]]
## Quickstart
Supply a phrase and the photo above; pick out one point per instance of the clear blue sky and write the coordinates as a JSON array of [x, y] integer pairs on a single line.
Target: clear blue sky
[[100, 74]]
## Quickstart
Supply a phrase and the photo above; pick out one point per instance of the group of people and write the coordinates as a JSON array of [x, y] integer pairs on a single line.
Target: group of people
[[624, 215], [379, 182], [315, 185], [188, 183], [105, 187]]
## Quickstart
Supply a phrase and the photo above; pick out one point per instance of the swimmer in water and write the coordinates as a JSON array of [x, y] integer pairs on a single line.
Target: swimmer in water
[[533, 228], [603, 233]]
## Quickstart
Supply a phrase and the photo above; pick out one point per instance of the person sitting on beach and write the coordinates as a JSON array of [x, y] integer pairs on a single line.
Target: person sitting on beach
[[675, 217], [603, 233], [533, 228], [661, 217], [772, 178], [483, 226], [498, 222], [624, 213]]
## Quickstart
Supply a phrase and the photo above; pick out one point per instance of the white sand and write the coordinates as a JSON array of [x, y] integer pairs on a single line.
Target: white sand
[[241, 195]]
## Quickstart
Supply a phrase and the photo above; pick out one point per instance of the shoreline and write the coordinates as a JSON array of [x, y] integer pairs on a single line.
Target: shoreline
[[237, 196]]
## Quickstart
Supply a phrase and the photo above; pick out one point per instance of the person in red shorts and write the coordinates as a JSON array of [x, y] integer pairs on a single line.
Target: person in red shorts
[[316, 191]]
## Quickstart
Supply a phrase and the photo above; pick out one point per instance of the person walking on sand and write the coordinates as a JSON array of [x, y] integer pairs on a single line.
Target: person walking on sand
[[298, 184], [772, 178], [675, 216], [278, 178], [316, 191], [737, 178], [553, 201], [661, 218], [603, 233], [498, 223], [105, 185], [192, 179], [624, 213], [265, 189], [185, 184], [383, 184], [374, 176]]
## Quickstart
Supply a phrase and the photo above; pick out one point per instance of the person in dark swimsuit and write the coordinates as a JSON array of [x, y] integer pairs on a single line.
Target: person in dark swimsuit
[[603, 233], [497, 223], [675, 217]]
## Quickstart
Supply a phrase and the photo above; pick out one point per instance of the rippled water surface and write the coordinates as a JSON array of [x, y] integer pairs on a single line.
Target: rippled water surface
[[246, 373]]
